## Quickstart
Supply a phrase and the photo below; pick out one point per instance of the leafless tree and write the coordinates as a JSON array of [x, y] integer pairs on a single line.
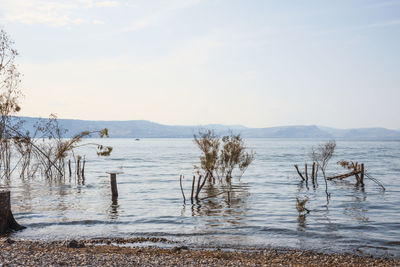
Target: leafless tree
[[9, 96], [321, 155]]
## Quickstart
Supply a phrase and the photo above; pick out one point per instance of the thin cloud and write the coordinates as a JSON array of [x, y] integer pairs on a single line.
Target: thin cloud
[[153, 17], [97, 22], [56, 14], [137, 25], [384, 24], [383, 4]]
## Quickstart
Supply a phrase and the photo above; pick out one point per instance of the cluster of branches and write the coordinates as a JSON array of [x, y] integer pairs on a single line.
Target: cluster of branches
[[358, 171], [45, 149], [321, 155], [219, 158]]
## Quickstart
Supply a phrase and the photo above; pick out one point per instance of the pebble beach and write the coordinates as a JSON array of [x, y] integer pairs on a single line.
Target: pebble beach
[[113, 252]]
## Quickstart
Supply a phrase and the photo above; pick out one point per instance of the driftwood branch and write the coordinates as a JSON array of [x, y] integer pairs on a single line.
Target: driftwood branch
[[183, 194], [306, 171], [297, 169], [342, 176], [193, 182]]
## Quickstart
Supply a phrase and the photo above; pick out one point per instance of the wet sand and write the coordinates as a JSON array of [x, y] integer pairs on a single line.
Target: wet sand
[[112, 252]]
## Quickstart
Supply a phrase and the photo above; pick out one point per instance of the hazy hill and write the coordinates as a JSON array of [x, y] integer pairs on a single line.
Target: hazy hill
[[147, 129]]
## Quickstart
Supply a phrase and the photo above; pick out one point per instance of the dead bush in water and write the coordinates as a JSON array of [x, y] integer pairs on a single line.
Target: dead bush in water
[[45, 149], [358, 171], [219, 158], [321, 155]]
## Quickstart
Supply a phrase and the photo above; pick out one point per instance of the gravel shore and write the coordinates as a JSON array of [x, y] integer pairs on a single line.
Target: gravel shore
[[114, 252]]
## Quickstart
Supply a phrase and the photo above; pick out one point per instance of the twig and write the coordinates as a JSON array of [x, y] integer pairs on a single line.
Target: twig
[[342, 176], [375, 180], [193, 181], [297, 168], [183, 194]]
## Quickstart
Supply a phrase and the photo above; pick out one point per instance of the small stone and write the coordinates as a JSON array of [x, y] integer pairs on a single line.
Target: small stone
[[10, 241], [73, 244], [176, 249]]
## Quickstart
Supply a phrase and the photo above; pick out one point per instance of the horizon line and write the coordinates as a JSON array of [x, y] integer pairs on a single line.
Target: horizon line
[[211, 124]]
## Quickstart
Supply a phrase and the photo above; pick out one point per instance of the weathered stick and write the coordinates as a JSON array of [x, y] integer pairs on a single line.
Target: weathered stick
[[193, 181], [78, 167], [69, 167], [183, 194], [306, 171], [297, 169], [204, 181], [357, 171], [83, 168], [198, 187], [362, 174], [7, 221], [342, 176], [313, 173], [114, 188]]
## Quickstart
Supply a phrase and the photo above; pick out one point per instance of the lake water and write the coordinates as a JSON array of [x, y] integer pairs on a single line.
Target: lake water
[[260, 212]]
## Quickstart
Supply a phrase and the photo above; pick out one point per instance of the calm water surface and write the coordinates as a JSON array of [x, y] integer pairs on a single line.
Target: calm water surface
[[260, 212]]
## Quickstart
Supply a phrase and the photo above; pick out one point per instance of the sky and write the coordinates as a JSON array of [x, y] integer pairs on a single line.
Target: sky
[[256, 63]]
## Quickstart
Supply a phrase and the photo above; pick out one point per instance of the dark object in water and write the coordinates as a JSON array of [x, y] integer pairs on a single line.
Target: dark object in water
[[7, 221], [113, 181], [137, 139]]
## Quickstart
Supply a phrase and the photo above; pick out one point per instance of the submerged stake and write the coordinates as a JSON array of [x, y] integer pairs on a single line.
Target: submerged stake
[[113, 181]]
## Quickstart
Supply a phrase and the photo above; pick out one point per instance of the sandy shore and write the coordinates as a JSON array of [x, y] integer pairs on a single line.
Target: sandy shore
[[111, 252]]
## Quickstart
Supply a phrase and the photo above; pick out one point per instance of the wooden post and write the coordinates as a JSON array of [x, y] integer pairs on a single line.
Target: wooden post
[[312, 173], [193, 181], [114, 188], [362, 174], [69, 167], [356, 172], [7, 221], [198, 187], [306, 172], [78, 167], [83, 170]]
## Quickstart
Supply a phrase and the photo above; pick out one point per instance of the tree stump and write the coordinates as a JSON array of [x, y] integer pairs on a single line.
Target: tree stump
[[7, 221]]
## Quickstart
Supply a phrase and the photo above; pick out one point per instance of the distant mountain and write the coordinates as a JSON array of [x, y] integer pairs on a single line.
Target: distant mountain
[[286, 132], [363, 133], [147, 129]]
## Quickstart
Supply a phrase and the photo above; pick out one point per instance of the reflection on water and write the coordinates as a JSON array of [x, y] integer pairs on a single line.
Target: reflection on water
[[113, 210], [357, 208], [222, 203], [301, 220], [258, 210]]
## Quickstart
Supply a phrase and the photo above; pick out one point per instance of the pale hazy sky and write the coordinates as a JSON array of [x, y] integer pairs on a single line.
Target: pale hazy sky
[[256, 63]]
